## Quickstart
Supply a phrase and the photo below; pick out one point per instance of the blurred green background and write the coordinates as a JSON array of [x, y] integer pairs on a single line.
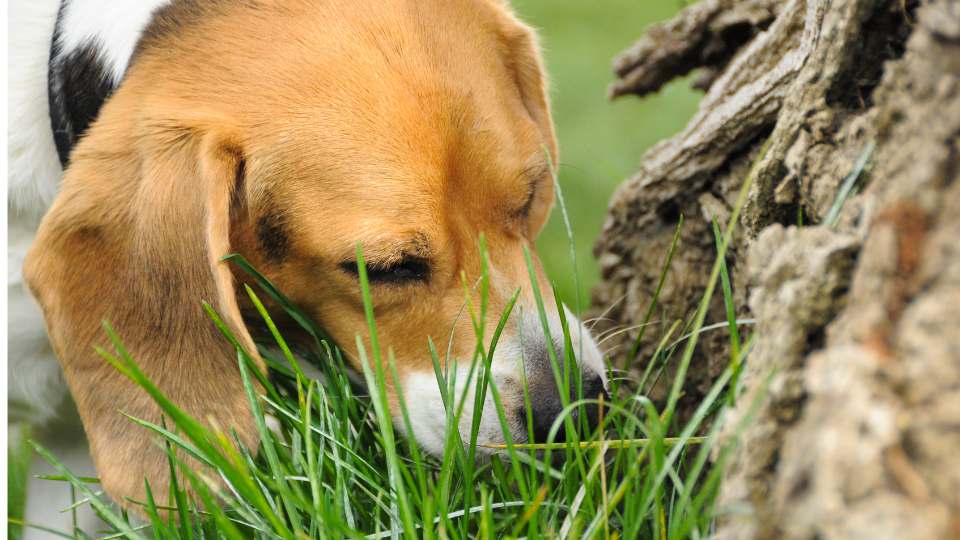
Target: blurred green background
[[601, 142]]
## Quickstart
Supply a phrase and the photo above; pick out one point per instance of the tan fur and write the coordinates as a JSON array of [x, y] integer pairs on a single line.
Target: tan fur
[[406, 126]]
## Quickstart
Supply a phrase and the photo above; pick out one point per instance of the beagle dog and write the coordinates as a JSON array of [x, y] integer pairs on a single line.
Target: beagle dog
[[288, 131]]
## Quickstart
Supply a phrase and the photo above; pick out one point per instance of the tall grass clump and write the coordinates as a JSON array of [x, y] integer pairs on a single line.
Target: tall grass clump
[[334, 465]]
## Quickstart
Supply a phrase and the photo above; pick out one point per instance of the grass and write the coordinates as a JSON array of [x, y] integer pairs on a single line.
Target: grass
[[19, 458], [338, 467], [847, 186]]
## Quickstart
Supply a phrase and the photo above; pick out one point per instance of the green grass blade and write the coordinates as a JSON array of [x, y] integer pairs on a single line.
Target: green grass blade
[[376, 383], [102, 508], [635, 349], [19, 459], [846, 187]]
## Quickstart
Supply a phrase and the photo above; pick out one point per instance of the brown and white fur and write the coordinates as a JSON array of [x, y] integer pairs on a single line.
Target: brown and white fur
[[289, 131]]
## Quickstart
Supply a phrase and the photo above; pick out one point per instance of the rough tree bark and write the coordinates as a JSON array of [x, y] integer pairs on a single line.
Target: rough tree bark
[[857, 358]]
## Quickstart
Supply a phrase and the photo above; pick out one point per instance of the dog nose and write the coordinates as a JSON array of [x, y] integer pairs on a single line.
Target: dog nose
[[593, 389], [546, 409]]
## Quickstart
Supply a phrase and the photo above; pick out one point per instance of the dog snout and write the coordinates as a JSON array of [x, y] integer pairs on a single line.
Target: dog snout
[[585, 378], [547, 406]]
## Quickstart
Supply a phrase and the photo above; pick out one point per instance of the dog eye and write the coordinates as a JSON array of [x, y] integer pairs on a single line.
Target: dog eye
[[397, 273]]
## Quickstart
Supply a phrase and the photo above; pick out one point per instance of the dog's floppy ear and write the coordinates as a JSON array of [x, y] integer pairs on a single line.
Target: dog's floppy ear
[[524, 60], [135, 238]]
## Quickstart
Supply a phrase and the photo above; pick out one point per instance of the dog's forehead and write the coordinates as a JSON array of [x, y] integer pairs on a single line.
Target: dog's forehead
[[394, 116], [357, 93], [407, 180], [410, 201], [415, 147]]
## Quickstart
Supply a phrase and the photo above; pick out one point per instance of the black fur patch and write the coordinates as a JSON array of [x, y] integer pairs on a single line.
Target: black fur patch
[[78, 85], [272, 235]]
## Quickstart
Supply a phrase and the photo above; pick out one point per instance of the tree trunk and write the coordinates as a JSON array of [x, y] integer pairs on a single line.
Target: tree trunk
[[856, 298]]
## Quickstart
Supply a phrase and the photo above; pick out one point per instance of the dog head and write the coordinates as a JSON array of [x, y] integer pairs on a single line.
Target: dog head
[[290, 134]]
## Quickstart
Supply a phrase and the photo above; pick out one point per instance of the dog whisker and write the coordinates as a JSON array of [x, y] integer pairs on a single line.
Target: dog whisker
[[607, 310], [622, 330], [593, 321], [610, 330], [611, 350]]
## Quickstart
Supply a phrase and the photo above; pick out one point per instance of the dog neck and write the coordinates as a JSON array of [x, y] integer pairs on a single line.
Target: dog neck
[[92, 45]]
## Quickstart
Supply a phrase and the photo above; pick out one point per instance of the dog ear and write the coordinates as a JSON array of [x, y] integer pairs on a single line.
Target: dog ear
[[524, 60], [135, 238]]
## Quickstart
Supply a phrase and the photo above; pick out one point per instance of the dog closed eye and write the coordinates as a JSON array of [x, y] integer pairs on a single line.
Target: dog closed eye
[[401, 272]]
